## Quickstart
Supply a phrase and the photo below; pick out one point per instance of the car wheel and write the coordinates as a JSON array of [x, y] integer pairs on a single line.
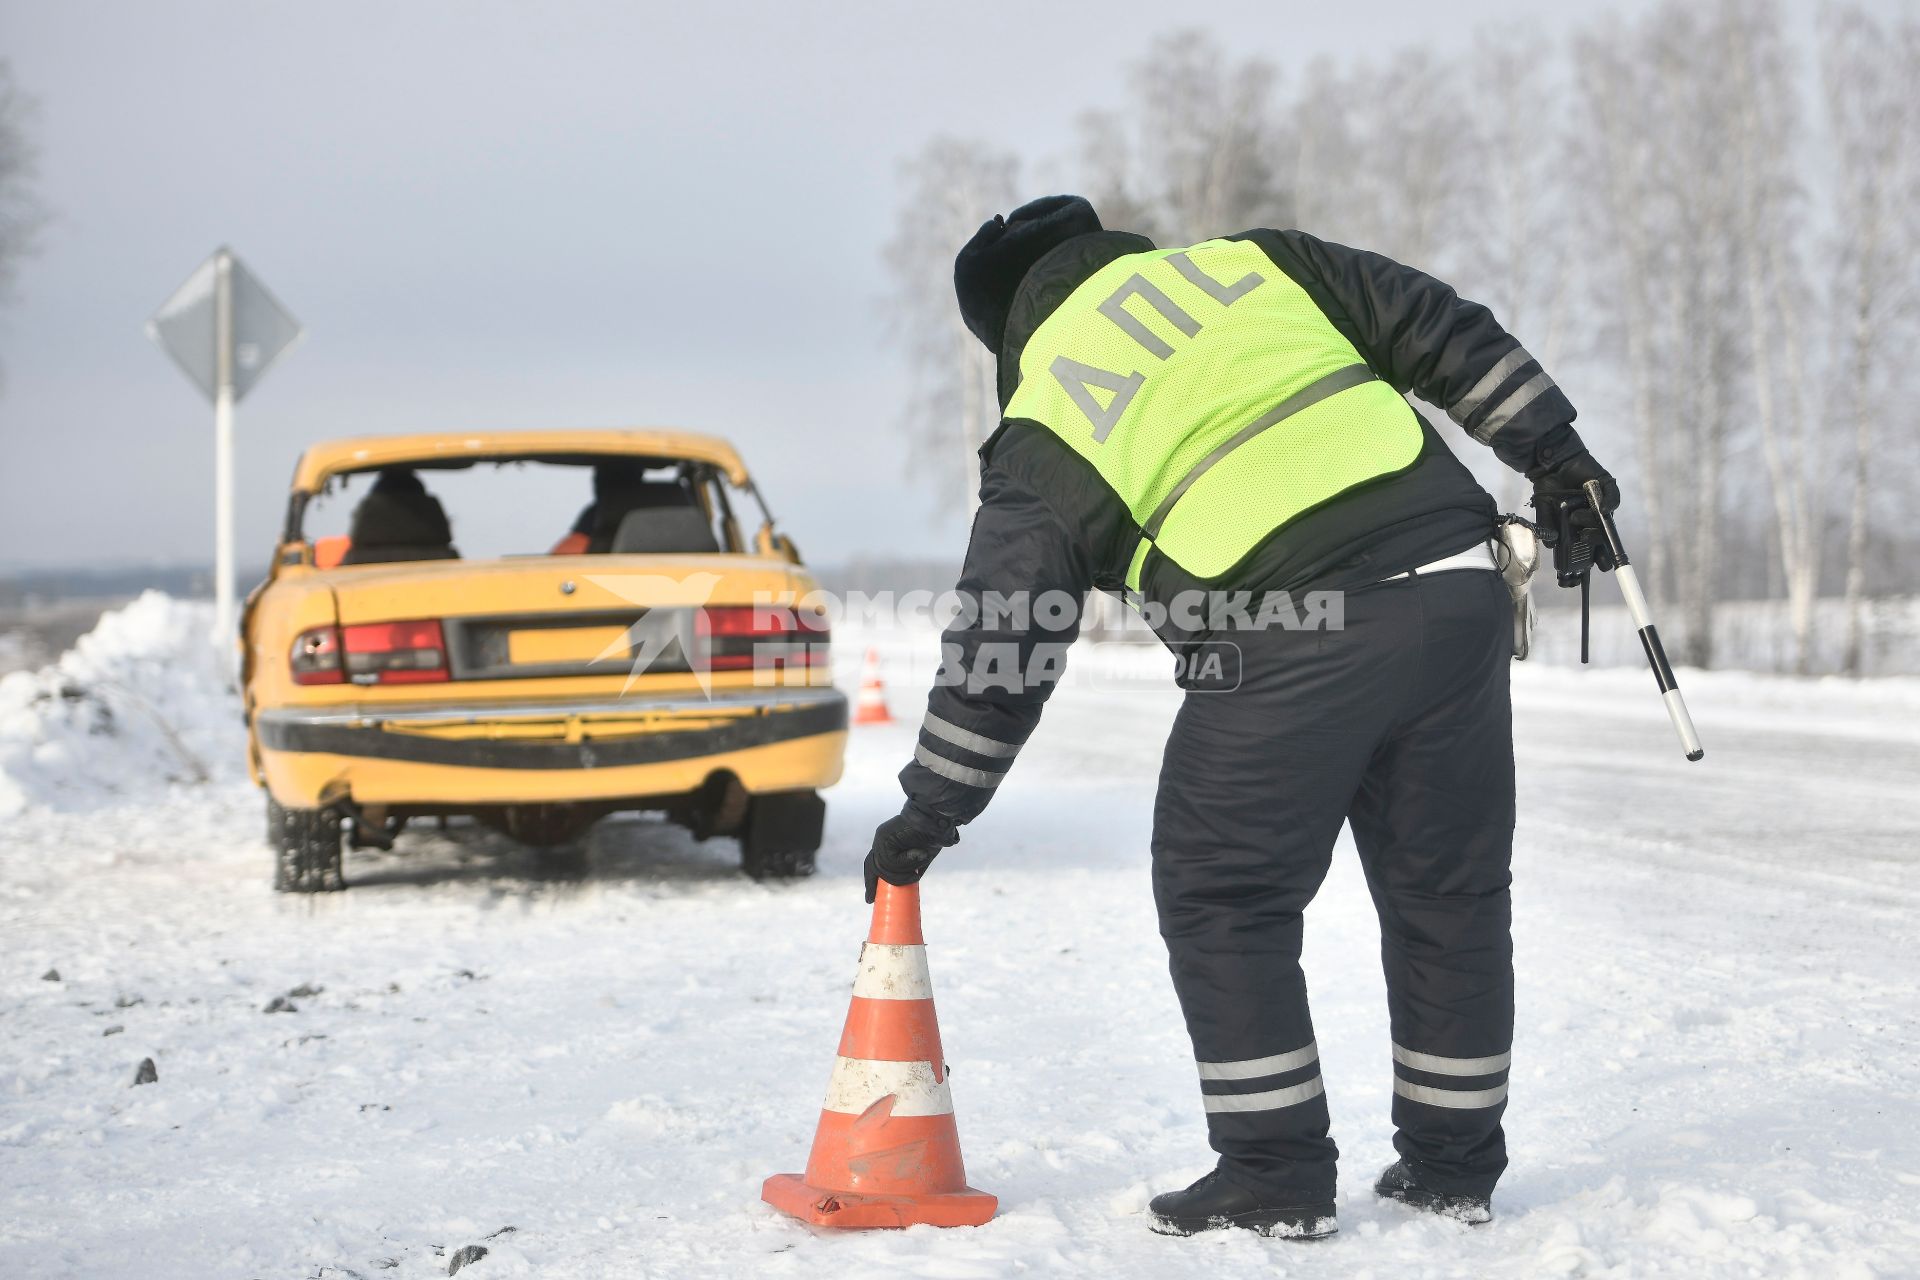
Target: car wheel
[[306, 849], [781, 834], [717, 807]]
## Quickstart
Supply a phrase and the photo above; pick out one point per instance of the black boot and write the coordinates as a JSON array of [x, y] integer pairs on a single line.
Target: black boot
[[1400, 1182], [1214, 1202]]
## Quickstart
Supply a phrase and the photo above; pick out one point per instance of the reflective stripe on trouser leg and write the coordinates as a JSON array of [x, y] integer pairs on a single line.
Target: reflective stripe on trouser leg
[[1267, 1115], [1458, 1084], [1449, 1096], [1270, 1083]]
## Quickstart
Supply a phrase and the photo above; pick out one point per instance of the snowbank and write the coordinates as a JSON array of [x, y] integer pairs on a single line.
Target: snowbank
[[139, 705]]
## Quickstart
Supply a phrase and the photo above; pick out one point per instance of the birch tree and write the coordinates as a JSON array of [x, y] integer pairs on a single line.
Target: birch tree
[[1413, 152], [20, 214], [948, 189], [1516, 228], [1658, 114], [1868, 72], [1517, 220], [1324, 183], [1705, 354], [1613, 88], [1196, 152], [1109, 173], [1766, 127]]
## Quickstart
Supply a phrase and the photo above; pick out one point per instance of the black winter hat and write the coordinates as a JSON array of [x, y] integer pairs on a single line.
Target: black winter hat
[[399, 512], [617, 477], [402, 480], [989, 269]]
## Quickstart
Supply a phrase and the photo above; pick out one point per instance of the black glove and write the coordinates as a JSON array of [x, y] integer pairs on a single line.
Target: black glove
[[1565, 482], [902, 851]]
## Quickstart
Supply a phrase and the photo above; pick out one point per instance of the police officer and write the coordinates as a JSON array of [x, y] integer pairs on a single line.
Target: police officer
[[1230, 417]]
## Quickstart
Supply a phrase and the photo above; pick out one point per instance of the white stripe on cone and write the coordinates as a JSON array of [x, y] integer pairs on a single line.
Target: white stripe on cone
[[858, 1083], [893, 972]]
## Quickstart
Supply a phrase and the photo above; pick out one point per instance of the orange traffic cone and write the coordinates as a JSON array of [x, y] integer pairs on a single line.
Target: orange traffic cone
[[871, 708], [886, 1153]]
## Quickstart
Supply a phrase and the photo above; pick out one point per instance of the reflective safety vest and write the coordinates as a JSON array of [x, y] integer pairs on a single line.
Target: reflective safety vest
[[1215, 399]]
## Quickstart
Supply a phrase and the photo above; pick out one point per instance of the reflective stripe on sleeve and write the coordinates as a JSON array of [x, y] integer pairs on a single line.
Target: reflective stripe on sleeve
[[1271, 1100], [978, 743], [1509, 407], [1457, 1099], [1253, 1068], [1505, 367], [957, 772], [1442, 1066]]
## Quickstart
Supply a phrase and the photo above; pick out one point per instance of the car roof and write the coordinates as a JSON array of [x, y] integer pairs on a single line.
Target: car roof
[[449, 449]]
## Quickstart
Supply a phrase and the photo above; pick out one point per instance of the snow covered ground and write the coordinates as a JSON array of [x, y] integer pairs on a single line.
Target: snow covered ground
[[1716, 1074]]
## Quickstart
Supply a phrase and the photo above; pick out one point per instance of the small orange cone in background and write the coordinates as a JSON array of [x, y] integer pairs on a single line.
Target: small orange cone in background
[[887, 1153], [871, 707]]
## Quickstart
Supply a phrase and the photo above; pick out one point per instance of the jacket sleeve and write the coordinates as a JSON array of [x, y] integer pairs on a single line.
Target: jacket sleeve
[[1421, 336], [1021, 593]]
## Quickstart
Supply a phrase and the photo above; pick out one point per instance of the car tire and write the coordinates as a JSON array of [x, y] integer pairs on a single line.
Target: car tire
[[781, 834], [718, 807], [306, 849]]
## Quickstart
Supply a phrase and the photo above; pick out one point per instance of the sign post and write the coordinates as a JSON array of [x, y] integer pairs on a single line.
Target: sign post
[[223, 448], [224, 330]]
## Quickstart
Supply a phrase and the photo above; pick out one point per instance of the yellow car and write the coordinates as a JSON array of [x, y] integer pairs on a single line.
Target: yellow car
[[655, 656]]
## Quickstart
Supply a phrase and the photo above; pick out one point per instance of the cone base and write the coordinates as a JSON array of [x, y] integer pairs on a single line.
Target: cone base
[[789, 1193]]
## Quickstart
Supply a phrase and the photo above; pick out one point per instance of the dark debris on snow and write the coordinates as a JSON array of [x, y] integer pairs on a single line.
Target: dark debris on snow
[[469, 1254]]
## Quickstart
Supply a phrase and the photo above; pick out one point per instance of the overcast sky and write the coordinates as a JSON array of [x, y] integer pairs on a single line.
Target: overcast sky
[[526, 215]]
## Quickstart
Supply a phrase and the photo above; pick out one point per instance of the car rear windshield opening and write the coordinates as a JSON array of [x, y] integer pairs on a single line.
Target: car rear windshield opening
[[552, 505]]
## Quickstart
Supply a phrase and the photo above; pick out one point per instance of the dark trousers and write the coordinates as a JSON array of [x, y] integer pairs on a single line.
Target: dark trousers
[[1399, 723]]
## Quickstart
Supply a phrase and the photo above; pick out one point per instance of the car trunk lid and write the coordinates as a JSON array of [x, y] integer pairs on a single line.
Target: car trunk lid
[[562, 617]]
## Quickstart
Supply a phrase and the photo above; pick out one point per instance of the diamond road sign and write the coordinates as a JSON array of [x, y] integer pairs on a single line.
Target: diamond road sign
[[187, 326]]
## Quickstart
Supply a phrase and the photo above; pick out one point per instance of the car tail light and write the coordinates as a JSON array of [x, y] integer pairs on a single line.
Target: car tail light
[[766, 637], [395, 652], [316, 657]]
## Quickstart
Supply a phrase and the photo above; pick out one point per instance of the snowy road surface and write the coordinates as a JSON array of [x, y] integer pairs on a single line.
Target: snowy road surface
[[1715, 1075]]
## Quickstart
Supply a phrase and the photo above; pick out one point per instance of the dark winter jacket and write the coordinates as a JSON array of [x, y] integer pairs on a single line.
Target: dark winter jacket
[[1048, 522]]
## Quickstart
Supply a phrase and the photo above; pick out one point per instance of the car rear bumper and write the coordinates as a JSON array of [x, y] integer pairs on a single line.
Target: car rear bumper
[[527, 752]]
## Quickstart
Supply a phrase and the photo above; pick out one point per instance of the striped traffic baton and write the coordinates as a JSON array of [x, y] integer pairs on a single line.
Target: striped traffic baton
[[1649, 634]]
